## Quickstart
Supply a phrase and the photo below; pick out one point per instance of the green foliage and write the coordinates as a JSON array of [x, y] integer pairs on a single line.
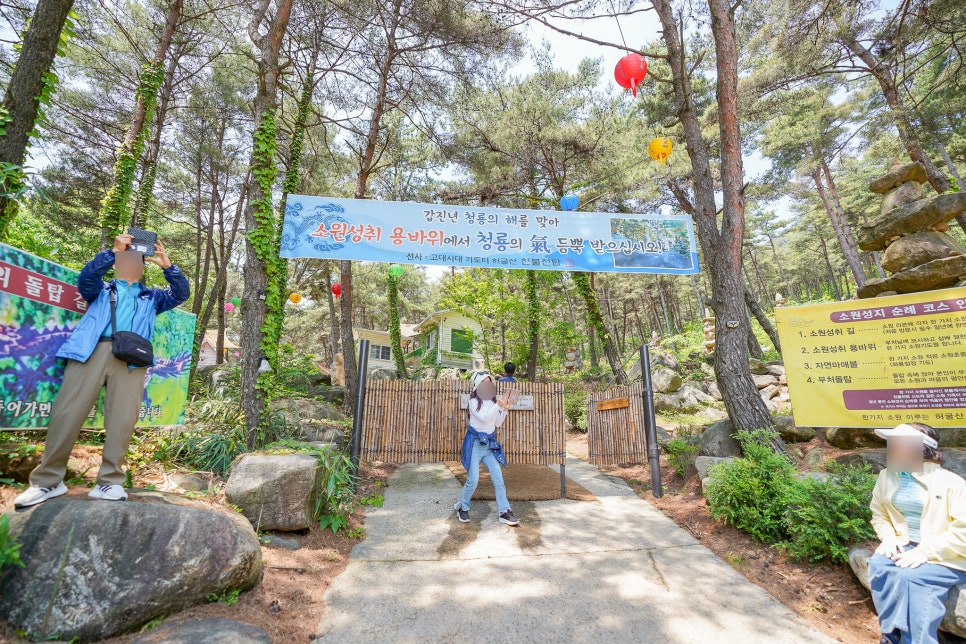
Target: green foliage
[[9, 548], [575, 405], [374, 500], [811, 519], [115, 212], [680, 454], [214, 436], [227, 597], [395, 333], [825, 518], [750, 493]]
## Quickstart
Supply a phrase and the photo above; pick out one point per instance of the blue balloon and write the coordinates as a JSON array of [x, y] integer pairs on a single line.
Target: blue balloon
[[569, 202]]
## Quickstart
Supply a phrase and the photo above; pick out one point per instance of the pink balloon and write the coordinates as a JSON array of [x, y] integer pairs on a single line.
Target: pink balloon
[[237, 354], [229, 307]]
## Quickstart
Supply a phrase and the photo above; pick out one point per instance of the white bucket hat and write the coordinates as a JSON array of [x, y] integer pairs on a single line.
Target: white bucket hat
[[907, 430], [479, 377]]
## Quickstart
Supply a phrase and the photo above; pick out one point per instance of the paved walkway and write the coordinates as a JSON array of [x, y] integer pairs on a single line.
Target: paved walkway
[[613, 570]]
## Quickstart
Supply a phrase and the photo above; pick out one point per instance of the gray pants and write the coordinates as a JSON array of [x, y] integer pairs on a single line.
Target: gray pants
[[122, 401]]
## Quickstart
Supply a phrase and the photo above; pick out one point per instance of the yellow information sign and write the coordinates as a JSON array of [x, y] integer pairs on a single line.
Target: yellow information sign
[[877, 362]]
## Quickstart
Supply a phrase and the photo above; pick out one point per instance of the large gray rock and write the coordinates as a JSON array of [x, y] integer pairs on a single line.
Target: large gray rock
[[686, 398], [876, 458], [910, 218], [920, 248], [955, 620], [703, 464], [213, 630], [937, 274], [299, 412], [815, 458], [899, 175], [758, 368], [664, 380], [95, 569], [790, 432], [717, 440], [275, 491], [381, 373], [852, 437], [906, 193], [765, 380]]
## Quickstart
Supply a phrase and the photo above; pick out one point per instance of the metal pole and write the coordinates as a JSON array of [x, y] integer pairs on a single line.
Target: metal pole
[[650, 425], [360, 407], [563, 478]]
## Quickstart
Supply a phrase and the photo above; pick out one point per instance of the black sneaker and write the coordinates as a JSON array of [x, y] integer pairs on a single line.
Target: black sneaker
[[509, 518], [462, 515]]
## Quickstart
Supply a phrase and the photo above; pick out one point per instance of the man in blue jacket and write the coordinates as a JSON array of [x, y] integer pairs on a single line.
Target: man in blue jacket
[[91, 365]]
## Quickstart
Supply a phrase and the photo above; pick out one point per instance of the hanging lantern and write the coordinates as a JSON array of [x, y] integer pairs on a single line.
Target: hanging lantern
[[236, 301], [395, 270], [660, 149], [630, 71], [569, 202], [294, 298], [229, 307], [337, 289]]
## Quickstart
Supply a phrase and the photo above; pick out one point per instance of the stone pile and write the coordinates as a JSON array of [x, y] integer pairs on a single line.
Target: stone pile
[[911, 230]]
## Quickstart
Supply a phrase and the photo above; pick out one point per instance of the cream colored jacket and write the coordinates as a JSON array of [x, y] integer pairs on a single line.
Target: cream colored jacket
[[943, 523]]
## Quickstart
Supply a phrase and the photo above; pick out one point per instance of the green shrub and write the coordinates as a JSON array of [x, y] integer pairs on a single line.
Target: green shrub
[[575, 406], [680, 454], [9, 548], [750, 493], [825, 518]]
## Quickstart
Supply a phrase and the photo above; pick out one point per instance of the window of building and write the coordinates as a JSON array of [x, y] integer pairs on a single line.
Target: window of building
[[380, 352]]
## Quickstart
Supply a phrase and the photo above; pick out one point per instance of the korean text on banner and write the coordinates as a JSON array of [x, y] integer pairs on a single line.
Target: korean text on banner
[[417, 233], [39, 307], [877, 362]]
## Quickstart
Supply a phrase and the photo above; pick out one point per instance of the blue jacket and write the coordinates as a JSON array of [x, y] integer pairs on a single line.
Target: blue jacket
[[151, 301], [489, 439]]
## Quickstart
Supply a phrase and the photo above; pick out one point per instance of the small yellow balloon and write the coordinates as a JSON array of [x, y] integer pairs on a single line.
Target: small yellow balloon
[[294, 298], [660, 149]]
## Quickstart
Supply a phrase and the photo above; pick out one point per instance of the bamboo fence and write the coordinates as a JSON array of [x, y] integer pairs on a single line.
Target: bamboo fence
[[420, 421], [616, 436]]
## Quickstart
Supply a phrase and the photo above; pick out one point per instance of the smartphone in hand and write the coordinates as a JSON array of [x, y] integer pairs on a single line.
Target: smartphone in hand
[[142, 241]]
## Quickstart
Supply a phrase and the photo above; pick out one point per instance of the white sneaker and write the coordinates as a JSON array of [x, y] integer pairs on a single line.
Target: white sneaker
[[109, 493], [34, 495]]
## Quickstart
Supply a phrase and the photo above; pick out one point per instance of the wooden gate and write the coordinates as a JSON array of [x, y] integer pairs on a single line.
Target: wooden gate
[[424, 421], [615, 426]]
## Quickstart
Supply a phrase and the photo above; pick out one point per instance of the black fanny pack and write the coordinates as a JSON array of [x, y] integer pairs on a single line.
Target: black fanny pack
[[128, 346]]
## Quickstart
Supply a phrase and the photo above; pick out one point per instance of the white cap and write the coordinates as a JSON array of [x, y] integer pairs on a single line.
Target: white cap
[[479, 377], [907, 430]]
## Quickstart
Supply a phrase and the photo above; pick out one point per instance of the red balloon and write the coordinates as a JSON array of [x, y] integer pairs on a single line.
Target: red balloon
[[337, 289], [630, 71]]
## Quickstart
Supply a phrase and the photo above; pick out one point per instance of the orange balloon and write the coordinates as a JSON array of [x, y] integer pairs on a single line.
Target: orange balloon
[[660, 149]]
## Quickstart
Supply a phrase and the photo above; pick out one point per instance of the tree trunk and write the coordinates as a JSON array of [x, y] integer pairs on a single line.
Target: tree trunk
[[260, 254], [763, 321], [836, 214], [533, 323], [831, 271], [115, 211], [697, 296], [598, 325], [781, 269], [333, 318], [21, 103]]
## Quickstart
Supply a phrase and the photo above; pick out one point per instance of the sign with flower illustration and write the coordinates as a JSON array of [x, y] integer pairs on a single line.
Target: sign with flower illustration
[[39, 307]]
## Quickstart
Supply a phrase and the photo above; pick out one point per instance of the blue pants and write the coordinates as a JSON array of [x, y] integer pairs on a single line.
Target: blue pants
[[482, 452], [910, 600]]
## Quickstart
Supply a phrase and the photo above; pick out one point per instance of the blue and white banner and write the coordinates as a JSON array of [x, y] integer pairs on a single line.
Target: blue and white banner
[[418, 233]]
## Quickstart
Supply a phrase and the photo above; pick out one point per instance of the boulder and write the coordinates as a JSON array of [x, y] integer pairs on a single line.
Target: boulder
[[758, 367], [906, 193], [919, 248], [815, 458], [764, 380], [190, 482], [777, 370], [213, 630], [821, 477], [97, 569], [717, 440], [712, 414], [769, 392], [298, 411], [852, 437], [899, 175], [275, 491], [710, 387], [686, 398], [955, 620], [382, 373], [665, 380], [703, 464], [876, 458], [664, 359], [448, 374], [937, 274], [910, 218], [790, 432], [332, 395]]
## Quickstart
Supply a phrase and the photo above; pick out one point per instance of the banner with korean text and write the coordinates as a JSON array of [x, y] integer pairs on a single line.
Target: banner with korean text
[[877, 362], [39, 307], [417, 233]]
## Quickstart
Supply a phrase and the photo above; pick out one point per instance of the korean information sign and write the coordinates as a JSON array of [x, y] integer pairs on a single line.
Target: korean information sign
[[418, 233], [39, 307], [877, 362]]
